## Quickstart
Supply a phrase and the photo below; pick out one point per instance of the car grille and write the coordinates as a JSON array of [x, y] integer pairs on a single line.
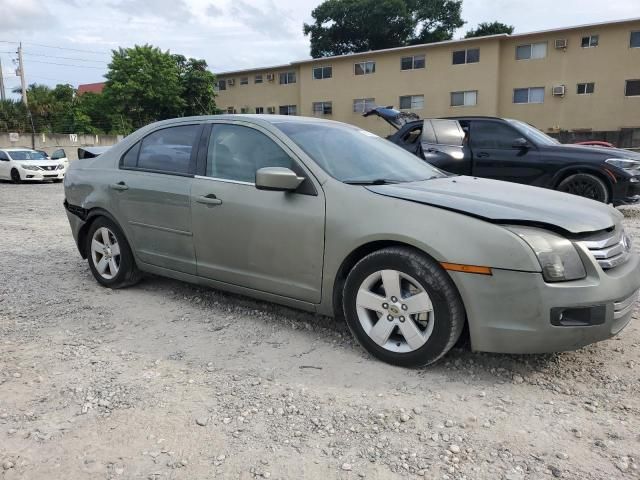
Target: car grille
[[610, 249], [49, 167], [625, 306]]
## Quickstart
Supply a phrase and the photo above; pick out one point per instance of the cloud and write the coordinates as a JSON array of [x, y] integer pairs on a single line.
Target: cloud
[[16, 16], [173, 11], [271, 21], [213, 11]]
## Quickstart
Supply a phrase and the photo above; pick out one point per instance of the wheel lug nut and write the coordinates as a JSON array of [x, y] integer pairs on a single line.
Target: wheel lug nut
[[385, 305], [390, 318], [404, 307], [394, 299], [401, 319]]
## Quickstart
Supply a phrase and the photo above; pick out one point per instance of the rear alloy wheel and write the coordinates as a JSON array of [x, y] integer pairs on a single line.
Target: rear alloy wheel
[[15, 176], [109, 255], [585, 185], [403, 307]]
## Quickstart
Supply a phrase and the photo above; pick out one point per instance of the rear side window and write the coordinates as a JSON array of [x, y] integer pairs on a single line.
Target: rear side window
[[167, 150], [492, 135]]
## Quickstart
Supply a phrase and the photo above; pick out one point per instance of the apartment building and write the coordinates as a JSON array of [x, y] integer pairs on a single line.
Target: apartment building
[[571, 79]]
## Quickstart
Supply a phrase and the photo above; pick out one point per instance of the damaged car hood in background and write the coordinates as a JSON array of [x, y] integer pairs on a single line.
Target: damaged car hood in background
[[502, 202]]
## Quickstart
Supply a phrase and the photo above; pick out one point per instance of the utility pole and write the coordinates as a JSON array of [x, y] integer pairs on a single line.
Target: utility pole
[[23, 84], [2, 97]]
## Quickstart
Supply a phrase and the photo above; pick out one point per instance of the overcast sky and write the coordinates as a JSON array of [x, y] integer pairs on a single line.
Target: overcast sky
[[228, 34]]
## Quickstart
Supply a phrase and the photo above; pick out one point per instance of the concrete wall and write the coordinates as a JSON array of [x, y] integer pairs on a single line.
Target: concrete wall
[[51, 142]]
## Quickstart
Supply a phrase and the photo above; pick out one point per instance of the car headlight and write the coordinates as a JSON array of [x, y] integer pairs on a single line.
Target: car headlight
[[629, 166], [30, 167], [558, 256], [60, 167]]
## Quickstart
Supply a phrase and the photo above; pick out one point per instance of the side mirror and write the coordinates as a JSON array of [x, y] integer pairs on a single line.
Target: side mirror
[[58, 154], [277, 179], [520, 143]]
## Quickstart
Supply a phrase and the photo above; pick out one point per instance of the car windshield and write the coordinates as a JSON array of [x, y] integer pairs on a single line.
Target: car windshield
[[352, 155], [26, 155], [533, 133]]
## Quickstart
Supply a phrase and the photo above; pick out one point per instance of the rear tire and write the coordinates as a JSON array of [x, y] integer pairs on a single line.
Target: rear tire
[[587, 186], [417, 303], [109, 255], [15, 176]]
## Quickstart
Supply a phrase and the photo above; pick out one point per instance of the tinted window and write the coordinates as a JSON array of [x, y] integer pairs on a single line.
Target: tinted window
[[492, 135], [168, 150], [448, 132], [236, 152], [130, 159], [4, 156]]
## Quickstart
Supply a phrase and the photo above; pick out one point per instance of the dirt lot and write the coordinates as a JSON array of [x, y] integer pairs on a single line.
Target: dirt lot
[[170, 381]]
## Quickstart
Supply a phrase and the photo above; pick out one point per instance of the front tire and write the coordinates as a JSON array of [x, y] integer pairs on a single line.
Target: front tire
[[15, 176], [109, 255], [402, 307], [585, 185]]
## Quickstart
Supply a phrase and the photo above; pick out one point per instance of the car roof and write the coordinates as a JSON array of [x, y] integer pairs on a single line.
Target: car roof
[[253, 118], [18, 149]]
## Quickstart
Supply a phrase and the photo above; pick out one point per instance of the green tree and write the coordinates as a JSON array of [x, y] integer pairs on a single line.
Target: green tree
[[348, 26], [489, 28], [197, 86]]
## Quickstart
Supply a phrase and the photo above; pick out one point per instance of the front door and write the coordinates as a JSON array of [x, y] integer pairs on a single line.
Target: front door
[[265, 240], [494, 154], [151, 194], [4, 165]]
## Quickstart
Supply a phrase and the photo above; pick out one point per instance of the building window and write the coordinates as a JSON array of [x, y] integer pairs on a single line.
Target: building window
[[231, 110], [586, 88], [222, 84], [531, 51], [632, 88], [257, 78], [259, 110], [244, 80], [464, 99], [412, 63], [288, 110], [634, 42], [528, 95], [590, 41], [412, 102], [364, 68], [362, 105], [320, 73], [322, 108], [287, 78], [271, 110], [471, 55], [244, 109]]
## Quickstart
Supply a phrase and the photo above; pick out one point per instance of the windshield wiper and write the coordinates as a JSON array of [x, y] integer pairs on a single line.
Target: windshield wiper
[[377, 181]]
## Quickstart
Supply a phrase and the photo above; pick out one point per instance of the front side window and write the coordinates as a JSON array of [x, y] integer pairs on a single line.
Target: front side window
[[362, 105], [352, 155], [412, 63], [257, 78], [586, 88], [531, 51], [528, 95], [320, 73], [236, 152], [322, 108], [590, 41], [492, 135], [634, 41], [412, 102], [632, 88], [471, 55], [3, 156], [287, 78], [166, 151], [365, 68], [288, 110], [464, 99]]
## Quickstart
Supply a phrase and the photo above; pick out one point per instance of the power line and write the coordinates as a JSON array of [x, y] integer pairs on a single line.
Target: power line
[[67, 48], [63, 58], [66, 64]]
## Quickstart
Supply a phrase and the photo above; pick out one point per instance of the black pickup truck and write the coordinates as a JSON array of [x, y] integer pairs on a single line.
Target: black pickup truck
[[514, 151]]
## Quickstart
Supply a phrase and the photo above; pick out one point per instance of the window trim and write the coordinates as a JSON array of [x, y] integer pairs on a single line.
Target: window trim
[[464, 96], [585, 88], [321, 67], [626, 83], [531, 45], [413, 62], [192, 161], [364, 70], [590, 37], [528, 102]]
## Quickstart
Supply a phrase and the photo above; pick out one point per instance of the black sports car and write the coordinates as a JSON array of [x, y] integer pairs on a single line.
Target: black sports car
[[514, 151]]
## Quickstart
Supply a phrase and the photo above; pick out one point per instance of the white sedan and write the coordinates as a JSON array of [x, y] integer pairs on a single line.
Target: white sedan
[[26, 165]]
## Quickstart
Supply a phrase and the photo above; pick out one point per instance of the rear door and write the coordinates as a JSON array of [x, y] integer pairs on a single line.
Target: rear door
[[443, 145], [495, 156], [264, 240], [151, 195]]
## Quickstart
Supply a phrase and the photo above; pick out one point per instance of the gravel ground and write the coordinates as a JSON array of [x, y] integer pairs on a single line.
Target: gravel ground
[[170, 381]]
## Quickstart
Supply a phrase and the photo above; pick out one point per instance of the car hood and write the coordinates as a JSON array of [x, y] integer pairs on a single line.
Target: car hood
[[40, 163], [504, 202], [602, 152]]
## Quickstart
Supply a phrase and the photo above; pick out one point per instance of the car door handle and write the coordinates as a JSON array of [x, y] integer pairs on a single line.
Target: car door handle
[[210, 199], [482, 155], [119, 186]]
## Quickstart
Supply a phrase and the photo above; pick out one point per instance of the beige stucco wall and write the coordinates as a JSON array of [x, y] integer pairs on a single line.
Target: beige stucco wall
[[494, 77]]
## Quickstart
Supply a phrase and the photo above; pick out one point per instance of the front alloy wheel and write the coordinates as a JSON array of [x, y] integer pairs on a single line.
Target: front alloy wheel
[[403, 307]]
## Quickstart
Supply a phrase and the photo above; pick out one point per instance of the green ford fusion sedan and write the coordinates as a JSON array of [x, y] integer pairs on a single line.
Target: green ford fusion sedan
[[329, 218]]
